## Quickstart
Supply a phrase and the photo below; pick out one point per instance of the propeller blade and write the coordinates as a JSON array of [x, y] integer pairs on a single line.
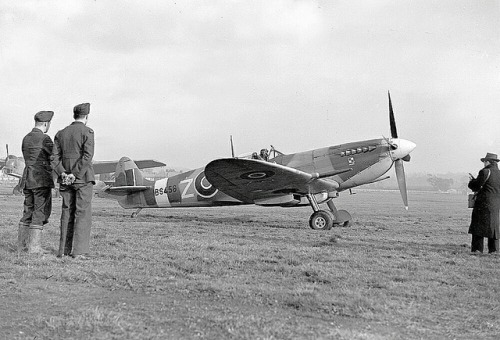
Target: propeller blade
[[394, 131], [400, 175], [406, 158], [7, 147]]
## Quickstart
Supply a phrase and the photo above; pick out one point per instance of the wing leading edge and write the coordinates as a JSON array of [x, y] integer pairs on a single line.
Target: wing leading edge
[[249, 180]]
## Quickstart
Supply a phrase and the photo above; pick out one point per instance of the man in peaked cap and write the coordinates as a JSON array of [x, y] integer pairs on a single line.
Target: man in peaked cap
[[37, 183], [485, 220], [72, 162]]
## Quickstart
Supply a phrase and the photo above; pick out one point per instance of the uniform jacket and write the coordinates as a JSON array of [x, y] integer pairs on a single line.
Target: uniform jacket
[[37, 152], [485, 215], [73, 152]]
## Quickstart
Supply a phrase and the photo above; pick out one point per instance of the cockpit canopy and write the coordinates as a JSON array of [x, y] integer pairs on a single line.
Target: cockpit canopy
[[263, 154]]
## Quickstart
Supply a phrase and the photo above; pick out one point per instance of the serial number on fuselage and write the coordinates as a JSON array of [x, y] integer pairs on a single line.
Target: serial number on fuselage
[[191, 186]]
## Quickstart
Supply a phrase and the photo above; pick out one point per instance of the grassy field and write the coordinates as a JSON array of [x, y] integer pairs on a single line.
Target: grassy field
[[256, 273]]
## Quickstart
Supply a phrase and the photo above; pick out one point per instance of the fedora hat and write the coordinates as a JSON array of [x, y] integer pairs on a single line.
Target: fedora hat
[[490, 157]]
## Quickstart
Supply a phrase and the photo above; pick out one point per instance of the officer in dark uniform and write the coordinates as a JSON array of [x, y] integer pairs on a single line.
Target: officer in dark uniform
[[37, 183], [72, 162], [485, 220]]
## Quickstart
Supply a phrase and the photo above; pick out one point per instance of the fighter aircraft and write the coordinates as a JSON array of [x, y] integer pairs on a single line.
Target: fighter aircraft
[[13, 166], [304, 178]]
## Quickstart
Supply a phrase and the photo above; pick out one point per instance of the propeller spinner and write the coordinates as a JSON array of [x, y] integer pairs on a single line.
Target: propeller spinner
[[400, 152]]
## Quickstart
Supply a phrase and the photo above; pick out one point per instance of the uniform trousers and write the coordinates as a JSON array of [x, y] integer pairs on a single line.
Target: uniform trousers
[[76, 217], [37, 206], [477, 244]]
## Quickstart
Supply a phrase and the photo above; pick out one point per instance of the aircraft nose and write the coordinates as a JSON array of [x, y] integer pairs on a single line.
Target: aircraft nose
[[405, 147]]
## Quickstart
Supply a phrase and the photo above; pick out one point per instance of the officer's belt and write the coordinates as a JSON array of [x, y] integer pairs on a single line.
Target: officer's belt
[[72, 155]]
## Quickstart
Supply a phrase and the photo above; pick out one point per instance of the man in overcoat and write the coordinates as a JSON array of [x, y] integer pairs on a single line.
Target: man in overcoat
[[485, 214], [72, 162], [36, 183]]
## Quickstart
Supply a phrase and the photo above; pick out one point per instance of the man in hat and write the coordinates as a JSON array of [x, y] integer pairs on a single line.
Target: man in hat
[[36, 183], [485, 214], [72, 162]]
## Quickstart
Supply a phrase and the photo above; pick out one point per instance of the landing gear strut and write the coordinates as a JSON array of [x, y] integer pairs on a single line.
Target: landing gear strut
[[326, 219], [320, 219]]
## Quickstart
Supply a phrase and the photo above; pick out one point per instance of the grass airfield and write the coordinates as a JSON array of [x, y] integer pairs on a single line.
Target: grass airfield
[[256, 273]]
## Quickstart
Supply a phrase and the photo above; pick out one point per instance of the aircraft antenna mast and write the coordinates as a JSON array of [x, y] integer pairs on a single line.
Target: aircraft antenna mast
[[232, 148]]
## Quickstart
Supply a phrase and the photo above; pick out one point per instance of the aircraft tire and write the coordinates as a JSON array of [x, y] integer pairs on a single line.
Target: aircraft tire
[[321, 220]]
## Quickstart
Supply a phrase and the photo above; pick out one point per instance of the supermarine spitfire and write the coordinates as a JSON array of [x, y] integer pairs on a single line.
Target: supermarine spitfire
[[305, 178], [13, 166]]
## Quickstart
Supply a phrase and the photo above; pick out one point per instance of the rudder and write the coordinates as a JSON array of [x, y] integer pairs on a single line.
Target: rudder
[[127, 173]]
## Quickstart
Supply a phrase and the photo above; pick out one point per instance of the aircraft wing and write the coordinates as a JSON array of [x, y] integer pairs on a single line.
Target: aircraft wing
[[248, 179], [104, 167]]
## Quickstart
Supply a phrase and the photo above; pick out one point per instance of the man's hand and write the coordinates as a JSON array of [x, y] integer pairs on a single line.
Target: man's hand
[[67, 179], [71, 178]]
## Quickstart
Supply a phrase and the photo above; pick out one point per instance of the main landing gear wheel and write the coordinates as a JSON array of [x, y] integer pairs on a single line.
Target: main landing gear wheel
[[343, 219], [321, 220]]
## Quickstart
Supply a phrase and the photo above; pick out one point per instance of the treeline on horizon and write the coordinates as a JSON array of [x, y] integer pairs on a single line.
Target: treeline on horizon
[[449, 182]]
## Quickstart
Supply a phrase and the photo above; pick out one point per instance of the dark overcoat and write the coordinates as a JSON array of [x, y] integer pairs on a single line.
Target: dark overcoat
[[485, 214], [37, 152], [73, 152]]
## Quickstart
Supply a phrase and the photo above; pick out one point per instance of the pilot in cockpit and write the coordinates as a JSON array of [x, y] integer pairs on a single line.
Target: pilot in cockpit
[[264, 154]]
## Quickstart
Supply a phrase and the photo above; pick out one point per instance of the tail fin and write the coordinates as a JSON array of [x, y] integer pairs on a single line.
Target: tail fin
[[129, 183], [127, 173]]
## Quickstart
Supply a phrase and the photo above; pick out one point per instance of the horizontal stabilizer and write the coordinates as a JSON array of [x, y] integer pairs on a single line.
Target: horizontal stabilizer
[[125, 190]]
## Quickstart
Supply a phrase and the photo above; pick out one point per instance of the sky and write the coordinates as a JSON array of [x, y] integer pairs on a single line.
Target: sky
[[172, 80]]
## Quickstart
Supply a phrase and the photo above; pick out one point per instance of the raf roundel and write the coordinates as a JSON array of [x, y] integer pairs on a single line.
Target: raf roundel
[[203, 187], [256, 175]]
